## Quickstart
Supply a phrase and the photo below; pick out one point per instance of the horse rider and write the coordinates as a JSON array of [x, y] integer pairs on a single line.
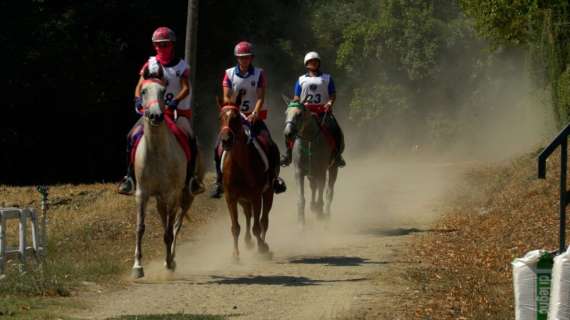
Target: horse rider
[[177, 97], [245, 86], [316, 90]]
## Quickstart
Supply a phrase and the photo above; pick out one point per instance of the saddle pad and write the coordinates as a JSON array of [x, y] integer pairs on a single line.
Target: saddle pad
[[181, 137]]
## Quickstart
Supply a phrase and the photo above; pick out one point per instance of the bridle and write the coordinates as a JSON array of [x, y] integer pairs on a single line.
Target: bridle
[[303, 109], [226, 128]]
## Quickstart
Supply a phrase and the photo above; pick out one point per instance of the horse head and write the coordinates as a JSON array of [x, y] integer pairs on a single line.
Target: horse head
[[231, 124], [294, 119], [152, 94]]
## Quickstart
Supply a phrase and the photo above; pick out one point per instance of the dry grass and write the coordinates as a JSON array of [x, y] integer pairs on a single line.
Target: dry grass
[[499, 214], [91, 242]]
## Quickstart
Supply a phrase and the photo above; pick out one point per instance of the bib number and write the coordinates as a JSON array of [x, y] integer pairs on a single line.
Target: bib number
[[168, 97], [245, 105], [314, 99]]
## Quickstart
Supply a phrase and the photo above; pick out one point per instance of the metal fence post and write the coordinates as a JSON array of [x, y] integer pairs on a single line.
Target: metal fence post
[[2, 244], [44, 191], [563, 192]]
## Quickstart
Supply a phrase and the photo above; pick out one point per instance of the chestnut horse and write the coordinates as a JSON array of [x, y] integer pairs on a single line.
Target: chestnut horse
[[246, 180]]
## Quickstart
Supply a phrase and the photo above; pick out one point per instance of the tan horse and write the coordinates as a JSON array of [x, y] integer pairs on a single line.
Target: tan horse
[[160, 170]]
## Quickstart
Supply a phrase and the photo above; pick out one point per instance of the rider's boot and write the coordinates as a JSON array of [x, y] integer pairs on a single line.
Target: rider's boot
[[127, 185], [286, 158], [218, 189], [339, 161], [193, 182], [279, 185]]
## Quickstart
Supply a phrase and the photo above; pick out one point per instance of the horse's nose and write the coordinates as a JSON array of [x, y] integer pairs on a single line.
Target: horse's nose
[[289, 131], [155, 117]]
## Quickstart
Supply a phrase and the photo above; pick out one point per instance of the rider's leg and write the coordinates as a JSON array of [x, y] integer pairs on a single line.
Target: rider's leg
[[127, 184], [218, 186], [288, 156], [338, 136], [260, 128], [192, 179]]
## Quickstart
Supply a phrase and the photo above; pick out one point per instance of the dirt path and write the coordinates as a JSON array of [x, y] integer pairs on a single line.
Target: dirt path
[[327, 271]]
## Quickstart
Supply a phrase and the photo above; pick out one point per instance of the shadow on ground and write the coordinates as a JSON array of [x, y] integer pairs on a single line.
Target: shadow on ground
[[336, 261], [288, 281], [397, 232]]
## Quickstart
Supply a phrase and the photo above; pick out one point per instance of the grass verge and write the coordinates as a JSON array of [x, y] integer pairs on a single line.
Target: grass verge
[[499, 214], [91, 241]]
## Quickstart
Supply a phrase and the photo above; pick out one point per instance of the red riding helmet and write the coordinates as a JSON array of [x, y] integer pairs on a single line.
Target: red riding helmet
[[163, 34], [243, 49]]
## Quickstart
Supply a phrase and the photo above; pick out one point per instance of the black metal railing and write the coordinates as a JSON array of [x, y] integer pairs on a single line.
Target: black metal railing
[[562, 141]]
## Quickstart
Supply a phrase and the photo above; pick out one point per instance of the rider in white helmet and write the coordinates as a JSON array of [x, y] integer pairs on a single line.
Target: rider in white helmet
[[177, 97], [317, 91]]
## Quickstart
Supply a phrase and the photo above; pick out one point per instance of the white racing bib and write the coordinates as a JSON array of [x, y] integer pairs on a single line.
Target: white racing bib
[[245, 86], [315, 90], [172, 76]]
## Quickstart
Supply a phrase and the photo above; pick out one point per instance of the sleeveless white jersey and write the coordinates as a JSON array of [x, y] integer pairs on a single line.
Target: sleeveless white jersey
[[172, 76], [314, 90], [247, 86]]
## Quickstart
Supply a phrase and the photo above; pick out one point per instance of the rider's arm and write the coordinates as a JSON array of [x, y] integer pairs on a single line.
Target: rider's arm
[[138, 87], [227, 88], [297, 90], [184, 89], [261, 84], [227, 95], [260, 100], [332, 93]]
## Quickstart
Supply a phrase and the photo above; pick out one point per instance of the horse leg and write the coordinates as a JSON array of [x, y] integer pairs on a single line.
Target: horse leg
[[261, 245], [232, 208], [300, 178], [333, 173], [167, 214], [185, 203], [320, 190], [247, 210], [314, 187], [142, 200], [267, 205]]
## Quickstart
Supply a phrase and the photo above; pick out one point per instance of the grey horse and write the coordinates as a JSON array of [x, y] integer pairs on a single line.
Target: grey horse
[[160, 170], [312, 158]]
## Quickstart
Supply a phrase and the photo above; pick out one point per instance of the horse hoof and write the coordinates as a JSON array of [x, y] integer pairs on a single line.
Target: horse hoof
[[171, 266], [137, 273], [235, 259], [249, 244], [263, 248], [266, 255]]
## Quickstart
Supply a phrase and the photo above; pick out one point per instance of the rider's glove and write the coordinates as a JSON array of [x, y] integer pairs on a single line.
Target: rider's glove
[[138, 106], [172, 104]]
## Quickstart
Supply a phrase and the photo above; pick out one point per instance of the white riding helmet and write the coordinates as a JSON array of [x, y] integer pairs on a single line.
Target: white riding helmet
[[312, 55]]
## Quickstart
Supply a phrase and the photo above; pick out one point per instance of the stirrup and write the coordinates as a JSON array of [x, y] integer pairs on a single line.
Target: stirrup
[[196, 186], [279, 185], [127, 186], [339, 162], [217, 192], [285, 161]]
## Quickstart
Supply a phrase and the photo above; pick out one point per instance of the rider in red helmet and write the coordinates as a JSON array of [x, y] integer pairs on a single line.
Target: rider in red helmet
[[177, 97], [245, 86]]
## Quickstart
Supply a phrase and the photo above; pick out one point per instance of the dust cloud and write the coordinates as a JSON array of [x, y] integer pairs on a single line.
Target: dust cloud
[[394, 185]]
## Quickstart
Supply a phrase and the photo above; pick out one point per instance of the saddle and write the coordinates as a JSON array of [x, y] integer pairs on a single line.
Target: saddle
[[180, 135], [261, 142]]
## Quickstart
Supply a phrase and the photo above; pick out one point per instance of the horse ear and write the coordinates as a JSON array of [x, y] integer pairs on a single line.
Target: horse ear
[[146, 73], [153, 70]]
